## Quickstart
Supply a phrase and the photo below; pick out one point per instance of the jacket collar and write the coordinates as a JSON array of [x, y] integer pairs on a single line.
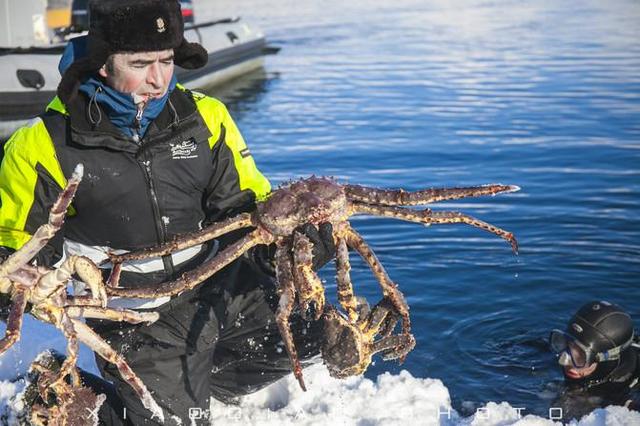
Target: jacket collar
[[120, 107], [177, 116]]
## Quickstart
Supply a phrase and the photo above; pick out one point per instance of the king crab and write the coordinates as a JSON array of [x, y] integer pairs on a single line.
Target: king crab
[[46, 290], [317, 200]]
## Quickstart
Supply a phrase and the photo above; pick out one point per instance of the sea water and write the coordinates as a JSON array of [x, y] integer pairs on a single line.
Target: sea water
[[544, 95], [412, 94]]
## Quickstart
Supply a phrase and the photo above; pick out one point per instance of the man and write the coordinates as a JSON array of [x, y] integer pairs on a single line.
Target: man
[[600, 356], [159, 161]]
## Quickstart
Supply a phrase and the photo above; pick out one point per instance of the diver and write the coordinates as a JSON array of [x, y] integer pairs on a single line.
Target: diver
[[600, 356]]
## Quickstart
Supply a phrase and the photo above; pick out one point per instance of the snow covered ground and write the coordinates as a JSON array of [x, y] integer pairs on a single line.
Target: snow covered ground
[[388, 400]]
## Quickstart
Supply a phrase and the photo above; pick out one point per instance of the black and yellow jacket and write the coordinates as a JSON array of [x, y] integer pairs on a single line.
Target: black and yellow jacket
[[192, 167]]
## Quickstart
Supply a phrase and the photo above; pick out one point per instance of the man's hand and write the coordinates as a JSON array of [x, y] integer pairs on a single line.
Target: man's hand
[[324, 248], [5, 298], [5, 253]]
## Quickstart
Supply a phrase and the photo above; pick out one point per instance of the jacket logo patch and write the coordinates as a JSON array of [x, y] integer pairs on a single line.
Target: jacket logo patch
[[245, 153], [183, 150]]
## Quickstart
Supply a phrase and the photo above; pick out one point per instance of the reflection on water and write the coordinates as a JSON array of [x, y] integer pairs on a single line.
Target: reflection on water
[[242, 94], [411, 94]]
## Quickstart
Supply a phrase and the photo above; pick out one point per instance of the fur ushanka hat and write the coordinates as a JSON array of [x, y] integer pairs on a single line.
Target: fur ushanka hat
[[131, 26]]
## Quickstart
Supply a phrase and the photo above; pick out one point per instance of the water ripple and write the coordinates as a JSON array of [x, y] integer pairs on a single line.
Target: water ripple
[[412, 94]]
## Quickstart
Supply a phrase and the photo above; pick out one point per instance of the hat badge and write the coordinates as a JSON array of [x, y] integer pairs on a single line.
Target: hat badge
[[160, 25]]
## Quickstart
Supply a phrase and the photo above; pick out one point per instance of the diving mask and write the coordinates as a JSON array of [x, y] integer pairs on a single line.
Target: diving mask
[[572, 352]]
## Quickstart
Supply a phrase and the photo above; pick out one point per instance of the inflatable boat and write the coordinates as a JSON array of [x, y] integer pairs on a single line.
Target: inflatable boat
[[29, 58]]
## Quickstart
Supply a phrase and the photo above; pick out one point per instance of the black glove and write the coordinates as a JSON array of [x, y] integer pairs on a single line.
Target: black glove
[[324, 248], [263, 256], [5, 306], [5, 252], [5, 299]]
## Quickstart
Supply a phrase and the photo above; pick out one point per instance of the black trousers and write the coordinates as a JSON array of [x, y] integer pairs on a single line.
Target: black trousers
[[219, 340]]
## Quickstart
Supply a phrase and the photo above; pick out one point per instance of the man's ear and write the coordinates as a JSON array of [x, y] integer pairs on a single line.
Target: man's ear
[[103, 71]]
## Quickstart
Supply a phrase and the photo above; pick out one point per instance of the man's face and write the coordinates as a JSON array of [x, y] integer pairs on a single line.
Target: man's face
[[580, 373], [146, 75], [579, 356]]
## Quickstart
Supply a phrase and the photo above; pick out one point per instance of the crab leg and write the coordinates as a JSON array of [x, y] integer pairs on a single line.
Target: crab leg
[[384, 316], [389, 288], [120, 315], [346, 298], [400, 197], [85, 300], [95, 342], [394, 347], [192, 278], [389, 323], [45, 232], [308, 284], [287, 292], [191, 239], [56, 382], [114, 277], [69, 365], [14, 321], [86, 270], [429, 217]]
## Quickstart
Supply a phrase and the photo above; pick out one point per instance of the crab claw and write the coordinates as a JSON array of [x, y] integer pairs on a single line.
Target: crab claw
[[395, 347], [92, 276], [383, 318]]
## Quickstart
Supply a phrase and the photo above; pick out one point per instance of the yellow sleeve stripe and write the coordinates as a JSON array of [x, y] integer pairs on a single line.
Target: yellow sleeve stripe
[[28, 147], [215, 114]]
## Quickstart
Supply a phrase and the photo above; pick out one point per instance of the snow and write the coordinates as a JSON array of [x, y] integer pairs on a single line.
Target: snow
[[354, 401], [390, 399]]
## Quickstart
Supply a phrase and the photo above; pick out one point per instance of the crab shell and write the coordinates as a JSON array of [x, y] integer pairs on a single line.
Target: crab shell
[[347, 350], [314, 200]]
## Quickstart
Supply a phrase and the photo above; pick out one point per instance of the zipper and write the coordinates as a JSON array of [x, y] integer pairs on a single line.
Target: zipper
[[139, 114], [137, 123], [160, 229], [167, 260]]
